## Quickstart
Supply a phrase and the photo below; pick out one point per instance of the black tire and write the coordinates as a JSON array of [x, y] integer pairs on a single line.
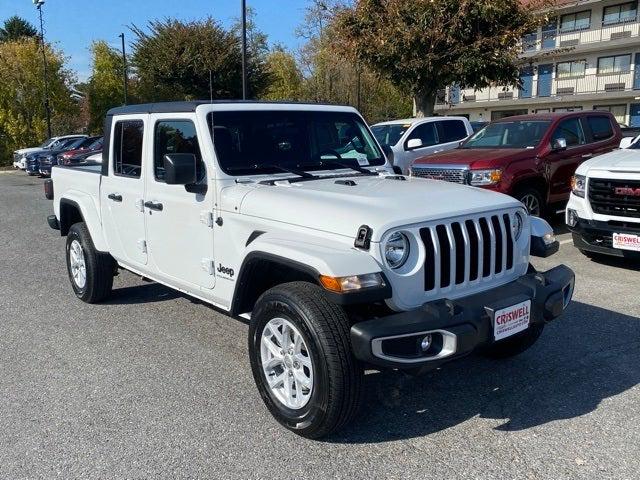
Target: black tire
[[515, 345], [529, 195], [337, 377], [99, 267]]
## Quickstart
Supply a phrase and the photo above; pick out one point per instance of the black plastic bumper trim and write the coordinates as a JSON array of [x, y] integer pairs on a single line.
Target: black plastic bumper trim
[[468, 318], [53, 222], [586, 229]]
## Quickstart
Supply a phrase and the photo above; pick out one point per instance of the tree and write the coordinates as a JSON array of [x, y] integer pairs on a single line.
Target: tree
[[172, 60], [22, 119], [424, 46], [16, 28], [285, 78], [333, 77], [105, 87]]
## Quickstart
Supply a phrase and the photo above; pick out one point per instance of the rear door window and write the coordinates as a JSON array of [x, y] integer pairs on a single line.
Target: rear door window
[[426, 132], [571, 131], [600, 127], [451, 130], [127, 148]]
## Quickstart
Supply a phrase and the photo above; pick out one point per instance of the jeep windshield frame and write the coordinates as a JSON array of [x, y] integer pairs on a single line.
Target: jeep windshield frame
[[258, 142]]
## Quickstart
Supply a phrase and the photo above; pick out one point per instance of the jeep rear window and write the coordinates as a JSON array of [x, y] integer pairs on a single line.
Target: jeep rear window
[[516, 134], [251, 142]]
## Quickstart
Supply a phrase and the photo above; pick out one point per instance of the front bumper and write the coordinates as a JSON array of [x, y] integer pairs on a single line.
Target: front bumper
[[458, 326], [597, 237]]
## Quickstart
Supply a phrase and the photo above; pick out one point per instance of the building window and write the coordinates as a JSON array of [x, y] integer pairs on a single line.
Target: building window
[[614, 64], [529, 42], [625, 12], [575, 68], [618, 111], [575, 21], [542, 110], [567, 109]]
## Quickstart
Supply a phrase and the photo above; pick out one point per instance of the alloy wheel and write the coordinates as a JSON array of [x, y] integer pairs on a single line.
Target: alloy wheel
[[286, 363]]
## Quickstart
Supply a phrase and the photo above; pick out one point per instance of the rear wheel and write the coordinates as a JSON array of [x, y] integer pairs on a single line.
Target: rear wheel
[[301, 359], [532, 201], [90, 271]]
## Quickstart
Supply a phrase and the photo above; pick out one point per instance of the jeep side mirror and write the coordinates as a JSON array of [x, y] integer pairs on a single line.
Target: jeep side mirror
[[414, 143], [180, 168], [559, 144]]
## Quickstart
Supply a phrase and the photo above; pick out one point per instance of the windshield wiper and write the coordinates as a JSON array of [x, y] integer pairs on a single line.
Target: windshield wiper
[[322, 163], [293, 171]]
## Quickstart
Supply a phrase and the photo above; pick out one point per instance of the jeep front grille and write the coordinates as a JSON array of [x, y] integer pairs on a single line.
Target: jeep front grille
[[454, 175], [605, 201], [466, 251]]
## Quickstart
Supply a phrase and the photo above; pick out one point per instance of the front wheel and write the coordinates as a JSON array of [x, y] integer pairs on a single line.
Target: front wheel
[[532, 201], [301, 359]]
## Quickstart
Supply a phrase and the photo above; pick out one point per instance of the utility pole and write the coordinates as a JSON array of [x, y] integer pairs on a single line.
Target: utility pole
[[244, 49], [47, 108], [125, 76]]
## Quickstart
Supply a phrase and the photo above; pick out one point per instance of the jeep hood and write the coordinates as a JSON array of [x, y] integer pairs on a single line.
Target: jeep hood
[[626, 160], [379, 202]]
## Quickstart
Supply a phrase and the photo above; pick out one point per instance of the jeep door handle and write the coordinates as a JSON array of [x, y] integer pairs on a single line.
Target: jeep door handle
[[153, 206], [115, 197]]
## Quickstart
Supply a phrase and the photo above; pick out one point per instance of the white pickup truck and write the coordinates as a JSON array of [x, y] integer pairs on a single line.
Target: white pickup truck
[[603, 212], [290, 215]]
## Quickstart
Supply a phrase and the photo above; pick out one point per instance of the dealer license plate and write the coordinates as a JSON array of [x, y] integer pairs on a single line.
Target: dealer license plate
[[511, 320], [625, 241]]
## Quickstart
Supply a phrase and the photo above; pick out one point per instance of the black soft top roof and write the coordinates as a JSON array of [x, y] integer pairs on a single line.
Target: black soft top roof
[[186, 107]]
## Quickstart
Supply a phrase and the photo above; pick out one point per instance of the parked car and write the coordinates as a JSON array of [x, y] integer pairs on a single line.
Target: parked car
[[35, 159], [57, 157], [603, 213], [338, 263], [408, 139], [20, 156], [531, 157], [91, 144]]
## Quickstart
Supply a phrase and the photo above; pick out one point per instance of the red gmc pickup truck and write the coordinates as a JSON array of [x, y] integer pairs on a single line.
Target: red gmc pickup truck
[[531, 157]]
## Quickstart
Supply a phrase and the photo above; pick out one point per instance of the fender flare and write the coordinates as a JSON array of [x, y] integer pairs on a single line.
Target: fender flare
[[296, 255], [89, 215]]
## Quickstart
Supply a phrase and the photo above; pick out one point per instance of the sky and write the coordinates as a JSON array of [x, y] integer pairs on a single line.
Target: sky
[[74, 24]]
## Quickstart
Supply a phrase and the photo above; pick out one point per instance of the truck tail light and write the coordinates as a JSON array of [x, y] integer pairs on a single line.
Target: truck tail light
[[48, 189]]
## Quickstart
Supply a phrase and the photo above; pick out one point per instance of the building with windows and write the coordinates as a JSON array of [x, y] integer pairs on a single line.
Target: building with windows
[[587, 57]]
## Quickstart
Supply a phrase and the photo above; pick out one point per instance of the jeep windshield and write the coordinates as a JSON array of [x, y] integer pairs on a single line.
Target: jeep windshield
[[515, 134], [270, 141]]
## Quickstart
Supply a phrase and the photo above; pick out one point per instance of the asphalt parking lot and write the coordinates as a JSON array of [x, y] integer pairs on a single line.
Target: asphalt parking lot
[[155, 384]]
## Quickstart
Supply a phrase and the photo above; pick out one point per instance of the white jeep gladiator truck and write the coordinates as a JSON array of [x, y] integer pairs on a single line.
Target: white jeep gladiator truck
[[603, 212], [290, 215]]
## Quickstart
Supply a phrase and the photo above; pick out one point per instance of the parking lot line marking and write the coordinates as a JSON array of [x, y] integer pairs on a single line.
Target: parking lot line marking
[[568, 240]]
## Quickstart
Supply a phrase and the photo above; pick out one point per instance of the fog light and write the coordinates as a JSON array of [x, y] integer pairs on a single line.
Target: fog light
[[572, 217], [549, 238], [426, 343]]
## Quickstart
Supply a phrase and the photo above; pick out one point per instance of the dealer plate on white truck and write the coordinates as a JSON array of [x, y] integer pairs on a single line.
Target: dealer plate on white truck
[[511, 320], [625, 241]]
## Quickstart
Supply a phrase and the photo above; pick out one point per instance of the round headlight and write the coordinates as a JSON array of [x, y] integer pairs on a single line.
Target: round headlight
[[518, 224], [396, 250]]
